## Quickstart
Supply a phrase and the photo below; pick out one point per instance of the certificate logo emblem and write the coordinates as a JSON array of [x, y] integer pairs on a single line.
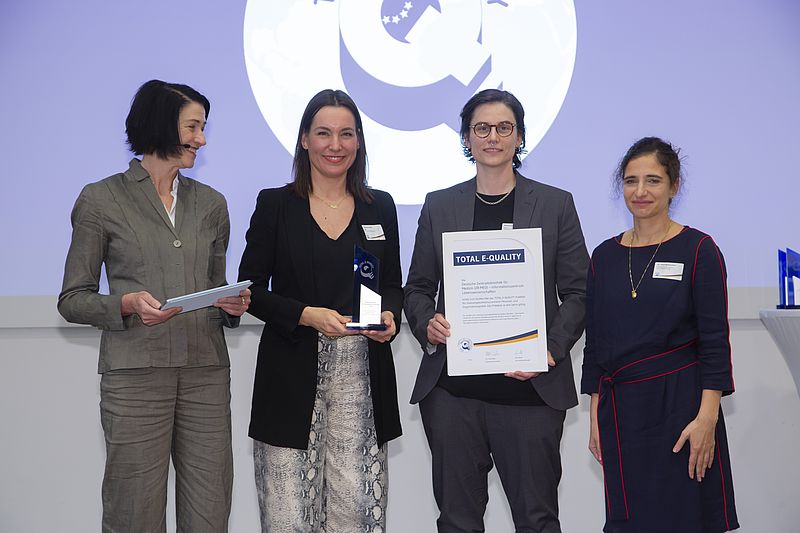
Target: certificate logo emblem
[[410, 65], [465, 345]]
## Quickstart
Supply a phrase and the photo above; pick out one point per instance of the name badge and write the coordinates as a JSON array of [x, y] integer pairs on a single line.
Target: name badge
[[373, 232], [663, 270], [507, 225]]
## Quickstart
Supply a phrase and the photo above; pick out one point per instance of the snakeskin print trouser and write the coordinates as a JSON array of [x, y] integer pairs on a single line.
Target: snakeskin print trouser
[[338, 484]]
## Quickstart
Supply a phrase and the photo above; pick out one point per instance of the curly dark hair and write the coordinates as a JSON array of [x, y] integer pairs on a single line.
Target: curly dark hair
[[668, 156]]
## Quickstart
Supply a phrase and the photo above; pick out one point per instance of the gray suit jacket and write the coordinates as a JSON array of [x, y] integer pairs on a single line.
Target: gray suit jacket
[[121, 223], [566, 261]]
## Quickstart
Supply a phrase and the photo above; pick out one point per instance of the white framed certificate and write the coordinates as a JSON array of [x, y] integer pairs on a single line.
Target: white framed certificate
[[494, 301]]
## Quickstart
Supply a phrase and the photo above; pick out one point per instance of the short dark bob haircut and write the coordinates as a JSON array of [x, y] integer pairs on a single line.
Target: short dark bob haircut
[[152, 123], [490, 96], [301, 167], [667, 155]]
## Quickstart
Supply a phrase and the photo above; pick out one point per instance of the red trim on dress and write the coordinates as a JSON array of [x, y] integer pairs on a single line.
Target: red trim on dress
[[619, 452], [616, 421], [727, 322], [696, 254], [600, 446], [653, 357], [722, 482], [660, 375]]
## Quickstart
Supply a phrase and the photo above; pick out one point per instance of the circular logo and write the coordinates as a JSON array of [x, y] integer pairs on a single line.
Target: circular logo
[[410, 66], [367, 270], [464, 345]]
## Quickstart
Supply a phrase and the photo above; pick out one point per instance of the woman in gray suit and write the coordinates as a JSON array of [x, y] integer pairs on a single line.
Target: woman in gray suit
[[513, 421], [165, 385]]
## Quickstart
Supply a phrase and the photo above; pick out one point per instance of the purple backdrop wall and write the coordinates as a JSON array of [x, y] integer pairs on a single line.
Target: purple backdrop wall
[[718, 78]]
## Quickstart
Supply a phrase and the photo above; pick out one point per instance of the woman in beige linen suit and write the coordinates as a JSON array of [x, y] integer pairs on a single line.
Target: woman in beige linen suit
[[165, 385]]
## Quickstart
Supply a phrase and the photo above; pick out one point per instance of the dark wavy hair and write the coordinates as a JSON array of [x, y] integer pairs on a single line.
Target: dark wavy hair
[[152, 123], [667, 155], [490, 96], [301, 167]]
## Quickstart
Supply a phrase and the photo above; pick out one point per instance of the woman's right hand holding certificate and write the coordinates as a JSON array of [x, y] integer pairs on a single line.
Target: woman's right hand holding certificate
[[148, 308]]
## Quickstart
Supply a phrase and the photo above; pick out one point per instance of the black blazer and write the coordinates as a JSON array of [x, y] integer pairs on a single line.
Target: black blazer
[[566, 262], [277, 258]]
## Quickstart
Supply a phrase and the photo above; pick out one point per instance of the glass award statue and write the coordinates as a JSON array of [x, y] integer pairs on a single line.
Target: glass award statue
[[366, 299]]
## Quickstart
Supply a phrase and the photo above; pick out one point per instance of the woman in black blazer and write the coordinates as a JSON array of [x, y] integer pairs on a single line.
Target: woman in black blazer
[[325, 397]]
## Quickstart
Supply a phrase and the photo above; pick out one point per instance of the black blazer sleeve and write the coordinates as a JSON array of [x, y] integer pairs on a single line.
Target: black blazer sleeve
[[259, 263], [423, 278], [572, 263]]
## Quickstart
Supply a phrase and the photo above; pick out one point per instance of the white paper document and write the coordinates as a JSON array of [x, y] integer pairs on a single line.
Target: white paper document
[[206, 298], [494, 301]]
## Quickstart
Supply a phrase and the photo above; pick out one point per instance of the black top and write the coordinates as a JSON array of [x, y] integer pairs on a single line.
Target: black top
[[333, 268], [492, 388]]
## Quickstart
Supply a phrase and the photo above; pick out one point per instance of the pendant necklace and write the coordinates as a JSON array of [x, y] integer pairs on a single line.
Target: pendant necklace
[[635, 288], [332, 206]]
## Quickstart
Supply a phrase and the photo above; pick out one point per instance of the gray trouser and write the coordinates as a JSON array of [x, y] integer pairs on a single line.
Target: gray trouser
[[150, 414], [468, 437], [339, 483]]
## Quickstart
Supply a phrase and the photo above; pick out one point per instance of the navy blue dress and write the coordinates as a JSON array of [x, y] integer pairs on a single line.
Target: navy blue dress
[[650, 358]]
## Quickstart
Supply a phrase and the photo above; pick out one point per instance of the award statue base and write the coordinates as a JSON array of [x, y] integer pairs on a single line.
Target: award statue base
[[356, 326]]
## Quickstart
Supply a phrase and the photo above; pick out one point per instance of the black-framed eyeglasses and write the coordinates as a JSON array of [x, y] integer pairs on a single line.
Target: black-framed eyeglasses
[[484, 129]]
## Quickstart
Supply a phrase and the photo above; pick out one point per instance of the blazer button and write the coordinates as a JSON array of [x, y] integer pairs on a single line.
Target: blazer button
[[176, 243]]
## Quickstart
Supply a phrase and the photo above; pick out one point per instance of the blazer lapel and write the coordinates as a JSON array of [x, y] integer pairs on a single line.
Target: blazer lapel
[[299, 232], [525, 199], [148, 190], [365, 214], [185, 211], [464, 205]]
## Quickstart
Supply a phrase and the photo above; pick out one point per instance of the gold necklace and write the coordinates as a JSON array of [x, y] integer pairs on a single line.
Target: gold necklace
[[487, 202], [634, 294], [332, 206]]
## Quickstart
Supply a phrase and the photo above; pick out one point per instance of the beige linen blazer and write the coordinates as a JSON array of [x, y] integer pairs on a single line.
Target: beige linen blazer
[[120, 223]]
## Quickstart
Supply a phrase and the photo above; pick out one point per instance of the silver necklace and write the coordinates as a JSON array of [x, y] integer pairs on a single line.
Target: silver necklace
[[487, 202], [635, 288]]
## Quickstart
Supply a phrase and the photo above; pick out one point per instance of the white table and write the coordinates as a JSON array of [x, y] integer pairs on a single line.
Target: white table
[[784, 326]]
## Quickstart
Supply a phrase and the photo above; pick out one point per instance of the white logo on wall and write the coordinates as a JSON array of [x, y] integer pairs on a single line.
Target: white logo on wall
[[410, 66]]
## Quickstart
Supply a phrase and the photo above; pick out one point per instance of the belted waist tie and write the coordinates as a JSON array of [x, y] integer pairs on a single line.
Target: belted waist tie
[[644, 369]]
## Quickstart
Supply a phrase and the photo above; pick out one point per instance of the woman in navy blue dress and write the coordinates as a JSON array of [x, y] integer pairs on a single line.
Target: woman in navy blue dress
[[658, 360]]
